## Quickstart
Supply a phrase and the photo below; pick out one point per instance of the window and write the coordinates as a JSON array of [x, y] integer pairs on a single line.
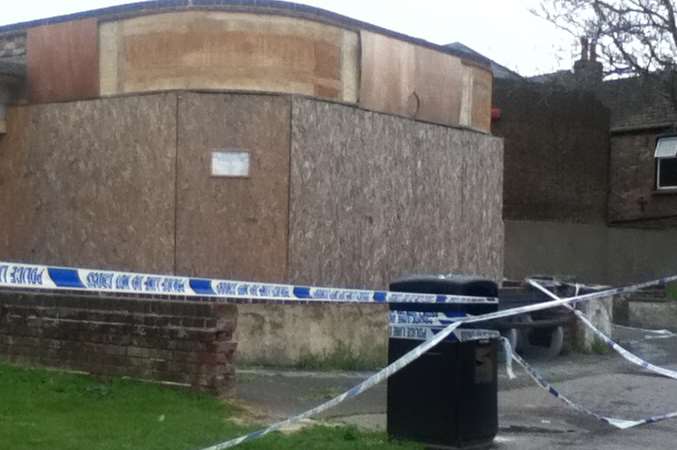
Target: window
[[666, 162]]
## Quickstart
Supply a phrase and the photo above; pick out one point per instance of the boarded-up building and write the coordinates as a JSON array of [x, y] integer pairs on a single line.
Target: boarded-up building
[[263, 141]]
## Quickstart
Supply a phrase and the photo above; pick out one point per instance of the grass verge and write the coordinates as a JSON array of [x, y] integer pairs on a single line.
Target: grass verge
[[343, 358], [671, 289], [47, 410]]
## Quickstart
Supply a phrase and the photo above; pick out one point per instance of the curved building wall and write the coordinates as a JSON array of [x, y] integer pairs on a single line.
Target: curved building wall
[[335, 195], [228, 51], [252, 49]]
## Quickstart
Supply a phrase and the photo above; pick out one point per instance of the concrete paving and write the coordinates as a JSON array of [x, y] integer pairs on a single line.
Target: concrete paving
[[529, 418]]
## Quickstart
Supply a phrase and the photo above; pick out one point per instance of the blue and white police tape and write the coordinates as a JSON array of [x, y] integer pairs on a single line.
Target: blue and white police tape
[[420, 332], [16, 275], [627, 355], [652, 334], [373, 380], [563, 301], [434, 340], [433, 318], [621, 424]]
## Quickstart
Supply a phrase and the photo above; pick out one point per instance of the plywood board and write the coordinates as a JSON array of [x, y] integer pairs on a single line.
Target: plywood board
[[63, 61], [439, 78], [482, 89], [402, 78], [385, 196], [90, 184], [233, 227], [222, 50], [388, 75]]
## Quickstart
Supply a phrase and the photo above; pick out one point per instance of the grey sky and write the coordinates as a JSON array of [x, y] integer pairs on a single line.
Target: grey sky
[[503, 30]]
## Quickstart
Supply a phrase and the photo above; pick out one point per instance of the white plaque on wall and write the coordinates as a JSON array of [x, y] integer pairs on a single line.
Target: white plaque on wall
[[230, 163]]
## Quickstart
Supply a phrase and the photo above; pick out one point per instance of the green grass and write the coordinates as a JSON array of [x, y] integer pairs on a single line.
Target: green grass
[[51, 410], [342, 357], [599, 347], [671, 289]]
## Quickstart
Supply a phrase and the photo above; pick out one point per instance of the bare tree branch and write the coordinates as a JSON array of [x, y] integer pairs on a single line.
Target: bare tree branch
[[631, 37]]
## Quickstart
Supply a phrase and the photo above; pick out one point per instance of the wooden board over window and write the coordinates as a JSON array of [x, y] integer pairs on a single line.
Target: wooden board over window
[[402, 78], [482, 88], [228, 51], [63, 61]]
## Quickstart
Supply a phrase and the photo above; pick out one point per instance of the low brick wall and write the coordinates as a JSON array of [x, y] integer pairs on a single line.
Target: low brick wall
[[162, 340]]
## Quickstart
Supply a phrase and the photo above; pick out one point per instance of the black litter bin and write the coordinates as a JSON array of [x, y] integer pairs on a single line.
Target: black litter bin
[[448, 397]]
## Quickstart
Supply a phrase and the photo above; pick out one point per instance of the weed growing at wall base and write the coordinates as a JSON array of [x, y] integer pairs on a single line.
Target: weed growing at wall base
[[671, 289], [47, 410], [343, 357]]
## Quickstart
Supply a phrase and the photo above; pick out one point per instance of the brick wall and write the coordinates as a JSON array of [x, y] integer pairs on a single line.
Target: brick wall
[[638, 102], [556, 153], [178, 341], [633, 199]]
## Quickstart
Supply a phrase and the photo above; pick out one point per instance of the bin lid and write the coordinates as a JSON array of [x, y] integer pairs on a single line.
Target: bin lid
[[448, 284]]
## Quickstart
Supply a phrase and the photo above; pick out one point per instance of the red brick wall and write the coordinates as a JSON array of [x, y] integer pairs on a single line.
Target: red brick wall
[[634, 200], [556, 153], [179, 341]]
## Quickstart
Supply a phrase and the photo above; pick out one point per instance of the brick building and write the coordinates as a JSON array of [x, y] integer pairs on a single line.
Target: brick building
[[580, 188]]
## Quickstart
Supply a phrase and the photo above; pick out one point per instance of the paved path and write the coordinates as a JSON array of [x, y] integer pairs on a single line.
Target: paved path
[[529, 418]]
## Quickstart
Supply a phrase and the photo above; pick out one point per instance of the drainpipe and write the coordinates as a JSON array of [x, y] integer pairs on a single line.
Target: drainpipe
[[12, 76]]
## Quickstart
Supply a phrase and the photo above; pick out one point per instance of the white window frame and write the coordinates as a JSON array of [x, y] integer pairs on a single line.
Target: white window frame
[[666, 148]]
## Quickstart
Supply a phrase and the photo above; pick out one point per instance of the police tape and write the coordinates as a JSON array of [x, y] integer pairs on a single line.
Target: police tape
[[622, 424], [563, 301], [426, 318], [17, 275], [653, 334], [418, 351], [627, 355], [373, 380], [657, 334], [421, 333]]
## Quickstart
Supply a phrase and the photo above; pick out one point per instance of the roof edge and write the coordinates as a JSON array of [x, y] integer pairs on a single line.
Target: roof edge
[[265, 6]]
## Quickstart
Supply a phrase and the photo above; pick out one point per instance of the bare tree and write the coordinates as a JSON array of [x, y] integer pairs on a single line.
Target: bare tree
[[629, 37]]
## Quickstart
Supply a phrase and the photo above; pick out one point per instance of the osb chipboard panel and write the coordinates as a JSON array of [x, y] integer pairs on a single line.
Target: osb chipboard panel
[[63, 61], [482, 203], [233, 227], [409, 80], [222, 50], [90, 184], [375, 196]]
